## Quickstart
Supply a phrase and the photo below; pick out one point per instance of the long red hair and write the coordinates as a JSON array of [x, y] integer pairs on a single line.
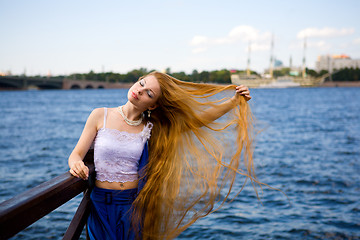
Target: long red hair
[[193, 162]]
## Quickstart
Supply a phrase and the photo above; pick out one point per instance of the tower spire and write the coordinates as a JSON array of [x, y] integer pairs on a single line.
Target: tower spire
[[271, 57], [304, 60], [248, 61]]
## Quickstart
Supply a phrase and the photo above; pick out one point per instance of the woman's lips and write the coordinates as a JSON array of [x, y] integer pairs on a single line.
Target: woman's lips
[[134, 95]]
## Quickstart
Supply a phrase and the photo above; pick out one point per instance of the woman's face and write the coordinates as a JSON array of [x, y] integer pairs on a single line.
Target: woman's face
[[145, 93]]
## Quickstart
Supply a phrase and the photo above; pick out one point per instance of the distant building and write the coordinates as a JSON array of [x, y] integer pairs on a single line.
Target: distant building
[[278, 63], [279, 66], [336, 62]]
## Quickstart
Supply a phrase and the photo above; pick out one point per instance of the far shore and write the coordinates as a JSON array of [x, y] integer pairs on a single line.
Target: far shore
[[341, 84], [128, 85]]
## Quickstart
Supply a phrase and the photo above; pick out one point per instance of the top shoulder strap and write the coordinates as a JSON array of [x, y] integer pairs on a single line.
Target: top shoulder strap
[[105, 113]]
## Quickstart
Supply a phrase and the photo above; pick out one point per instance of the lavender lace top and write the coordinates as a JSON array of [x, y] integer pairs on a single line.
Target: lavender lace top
[[117, 153]]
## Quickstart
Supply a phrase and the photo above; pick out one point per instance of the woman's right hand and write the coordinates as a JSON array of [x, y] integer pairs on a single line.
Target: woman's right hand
[[78, 169]]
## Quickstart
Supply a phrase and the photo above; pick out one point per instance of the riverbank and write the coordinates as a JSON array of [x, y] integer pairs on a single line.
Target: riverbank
[[341, 84]]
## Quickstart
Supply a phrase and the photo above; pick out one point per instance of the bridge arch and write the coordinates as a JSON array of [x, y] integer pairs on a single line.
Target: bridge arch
[[9, 86], [75, 86], [23, 82], [47, 86]]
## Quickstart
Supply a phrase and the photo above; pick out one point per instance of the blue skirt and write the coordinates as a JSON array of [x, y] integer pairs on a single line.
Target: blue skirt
[[110, 215]]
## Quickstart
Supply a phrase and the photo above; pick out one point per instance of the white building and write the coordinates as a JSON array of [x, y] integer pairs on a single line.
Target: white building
[[336, 62]]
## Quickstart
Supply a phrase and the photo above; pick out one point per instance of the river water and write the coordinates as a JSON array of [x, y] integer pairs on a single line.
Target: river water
[[309, 147]]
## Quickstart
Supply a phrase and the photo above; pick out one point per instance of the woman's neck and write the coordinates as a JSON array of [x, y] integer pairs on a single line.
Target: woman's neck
[[131, 112]]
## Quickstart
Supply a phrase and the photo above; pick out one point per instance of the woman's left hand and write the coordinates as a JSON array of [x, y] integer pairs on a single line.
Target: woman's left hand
[[243, 91]]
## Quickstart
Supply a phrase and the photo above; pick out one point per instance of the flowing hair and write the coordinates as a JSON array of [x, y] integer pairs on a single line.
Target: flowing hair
[[193, 161]]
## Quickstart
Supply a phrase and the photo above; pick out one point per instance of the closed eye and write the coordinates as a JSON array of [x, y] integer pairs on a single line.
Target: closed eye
[[150, 94]]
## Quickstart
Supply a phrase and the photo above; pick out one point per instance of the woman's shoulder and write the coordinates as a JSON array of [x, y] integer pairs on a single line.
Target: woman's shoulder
[[112, 109], [97, 114]]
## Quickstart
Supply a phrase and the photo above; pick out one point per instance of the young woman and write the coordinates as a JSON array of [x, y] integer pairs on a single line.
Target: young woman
[[159, 166]]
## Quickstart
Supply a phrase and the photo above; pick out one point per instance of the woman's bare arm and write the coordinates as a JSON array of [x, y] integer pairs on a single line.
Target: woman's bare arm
[[212, 114], [76, 164]]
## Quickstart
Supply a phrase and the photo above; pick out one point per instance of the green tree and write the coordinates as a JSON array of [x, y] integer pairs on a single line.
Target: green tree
[[311, 72], [181, 76], [281, 72], [91, 76], [322, 72], [223, 76], [347, 74], [204, 76], [195, 77]]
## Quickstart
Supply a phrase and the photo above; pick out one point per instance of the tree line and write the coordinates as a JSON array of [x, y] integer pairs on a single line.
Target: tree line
[[346, 74], [217, 76]]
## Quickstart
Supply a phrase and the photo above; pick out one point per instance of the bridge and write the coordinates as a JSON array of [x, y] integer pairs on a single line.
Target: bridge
[[26, 83]]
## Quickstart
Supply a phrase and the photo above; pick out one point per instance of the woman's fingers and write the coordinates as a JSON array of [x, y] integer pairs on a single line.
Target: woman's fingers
[[79, 173], [244, 91], [80, 170], [72, 172]]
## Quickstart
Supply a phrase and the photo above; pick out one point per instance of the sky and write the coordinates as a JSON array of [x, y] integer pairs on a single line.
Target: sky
[[41, 37]]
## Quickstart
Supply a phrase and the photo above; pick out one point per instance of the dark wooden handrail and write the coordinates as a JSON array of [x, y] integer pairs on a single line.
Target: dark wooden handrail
[[26, 208]]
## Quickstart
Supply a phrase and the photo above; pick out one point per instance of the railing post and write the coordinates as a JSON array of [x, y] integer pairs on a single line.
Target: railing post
[[78, 222]]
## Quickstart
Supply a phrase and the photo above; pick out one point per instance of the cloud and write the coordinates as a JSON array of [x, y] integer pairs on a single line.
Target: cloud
[[324, 32], [356, 41], [248, 34], [199, 50], [260, 47], [260, 41], [321, 45], [199, 40]]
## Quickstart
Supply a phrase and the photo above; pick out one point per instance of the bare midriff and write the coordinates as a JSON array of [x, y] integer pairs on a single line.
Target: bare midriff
[[116, 185]]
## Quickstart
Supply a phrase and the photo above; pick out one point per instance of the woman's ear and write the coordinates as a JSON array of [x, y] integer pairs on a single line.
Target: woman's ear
[[153, 107]]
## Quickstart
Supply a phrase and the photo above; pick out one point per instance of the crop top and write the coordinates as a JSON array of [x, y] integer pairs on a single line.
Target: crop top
[[117, 153]]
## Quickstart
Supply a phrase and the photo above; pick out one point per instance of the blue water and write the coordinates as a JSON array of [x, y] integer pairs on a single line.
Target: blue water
[[308, 146]]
